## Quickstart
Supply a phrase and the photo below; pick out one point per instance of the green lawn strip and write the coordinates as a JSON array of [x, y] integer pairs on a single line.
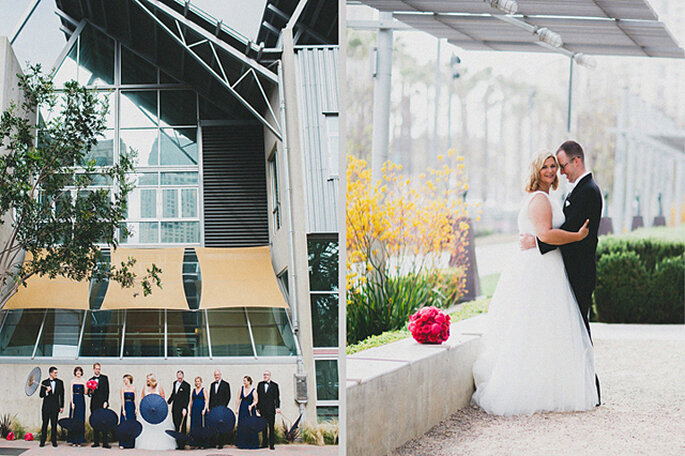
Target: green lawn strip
[[666, 233], [462, 312], [488, 284]]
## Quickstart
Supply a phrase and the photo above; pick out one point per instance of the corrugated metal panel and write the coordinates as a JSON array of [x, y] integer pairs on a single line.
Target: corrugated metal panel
[[317, 93], [624, 9], [234, 186]]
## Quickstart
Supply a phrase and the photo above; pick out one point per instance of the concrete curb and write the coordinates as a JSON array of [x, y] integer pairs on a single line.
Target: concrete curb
[[399, 391]]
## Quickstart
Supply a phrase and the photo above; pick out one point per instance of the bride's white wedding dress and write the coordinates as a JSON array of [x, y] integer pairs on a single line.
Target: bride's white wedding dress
[[535, 354], [153, 436]]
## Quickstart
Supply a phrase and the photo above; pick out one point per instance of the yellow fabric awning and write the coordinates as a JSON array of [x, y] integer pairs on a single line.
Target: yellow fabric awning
[[42, 292], [170, 296], [238, 277]]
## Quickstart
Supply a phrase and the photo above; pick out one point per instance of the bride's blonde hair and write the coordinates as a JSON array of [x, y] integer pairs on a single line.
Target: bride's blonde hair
[[533, 181], [153, 380]]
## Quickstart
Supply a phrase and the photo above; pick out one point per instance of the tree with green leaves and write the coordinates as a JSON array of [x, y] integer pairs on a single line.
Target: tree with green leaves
[[53, 220]]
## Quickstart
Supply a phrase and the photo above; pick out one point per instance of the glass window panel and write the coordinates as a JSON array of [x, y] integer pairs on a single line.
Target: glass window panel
[[103, 152], [142, 203], [179, 178], [96, 58], [144, 333], [186, 334], [138, 108], [142, 233], [192, 278], [180, 232], [178, 146], [60, 334], [143, 142], [135, 69], [325, 320], [328, 413], [98, 290], [102, 334], [209, 111], [271, 332], [164, 78], [19, 333], [326, 380], [170, 203], [189, 202], [147, 179], [323, 264], [229, 334], [177, 107], [68, 68]]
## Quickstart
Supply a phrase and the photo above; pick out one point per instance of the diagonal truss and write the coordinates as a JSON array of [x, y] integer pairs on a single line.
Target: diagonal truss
[[252, 67]]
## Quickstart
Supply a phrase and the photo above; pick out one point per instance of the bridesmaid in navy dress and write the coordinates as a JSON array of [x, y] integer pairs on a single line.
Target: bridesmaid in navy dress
[[246, 438], [78, 407], [199, 403], [128, 409]]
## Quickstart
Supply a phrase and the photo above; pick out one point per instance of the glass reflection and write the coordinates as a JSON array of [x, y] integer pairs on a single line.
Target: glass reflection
[[178, 146], [138, 108], [144, 333], [103, 152], [177, 107], [189, 202], [180, 232], [326, 380], [271, 332], [323, 264], [18, 337], [143, 142], [142, 203], [96, 58], [60, 334], [135, 69], [186, 334], [182, 178], [68, 69], [325, 319], [142, 233], [102, 333], [229, 334]]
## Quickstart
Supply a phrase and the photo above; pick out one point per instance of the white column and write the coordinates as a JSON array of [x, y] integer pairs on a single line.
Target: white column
[[381, 95]]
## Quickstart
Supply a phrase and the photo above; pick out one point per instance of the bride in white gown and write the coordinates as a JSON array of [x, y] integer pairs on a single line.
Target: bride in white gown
[[153, 436], [536, 354]]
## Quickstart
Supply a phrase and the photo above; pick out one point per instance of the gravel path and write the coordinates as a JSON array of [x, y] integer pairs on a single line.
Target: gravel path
[[643, 413]]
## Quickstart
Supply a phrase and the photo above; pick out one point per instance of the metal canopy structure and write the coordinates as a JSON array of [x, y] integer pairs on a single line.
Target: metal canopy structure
[[189, 45], [599, 27], [316, 24]]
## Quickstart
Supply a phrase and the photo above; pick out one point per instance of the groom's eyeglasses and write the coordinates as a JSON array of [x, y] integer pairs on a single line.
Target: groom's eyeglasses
[[565, 164]]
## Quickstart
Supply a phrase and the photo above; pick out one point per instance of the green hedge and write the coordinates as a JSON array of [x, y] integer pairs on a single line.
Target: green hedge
[[640, 281]]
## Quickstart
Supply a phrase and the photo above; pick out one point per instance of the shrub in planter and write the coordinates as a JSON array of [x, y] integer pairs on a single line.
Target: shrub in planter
[[650, 251], [622, 290], [668, 291]]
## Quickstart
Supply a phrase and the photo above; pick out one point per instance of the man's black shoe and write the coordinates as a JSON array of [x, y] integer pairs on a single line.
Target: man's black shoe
[[42, 444], [95, 445], [54, 444], [106, 445], [272, 448]]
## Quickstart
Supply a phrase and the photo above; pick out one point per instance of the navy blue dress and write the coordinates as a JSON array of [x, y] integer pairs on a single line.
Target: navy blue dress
[[245, 438], [130, 409], [78, 413], [196, 417]]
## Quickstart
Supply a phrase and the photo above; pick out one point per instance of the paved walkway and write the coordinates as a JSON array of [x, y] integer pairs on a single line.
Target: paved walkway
[[642, 371], [32, 449]]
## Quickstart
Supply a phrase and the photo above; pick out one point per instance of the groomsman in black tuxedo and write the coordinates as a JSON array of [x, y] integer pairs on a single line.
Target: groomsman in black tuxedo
[[99, 398], [52, 392], [179, 399], [269, 404], [584, 202], [219, 396]]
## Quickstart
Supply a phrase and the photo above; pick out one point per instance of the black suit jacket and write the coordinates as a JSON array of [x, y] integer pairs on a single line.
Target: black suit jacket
[[53, 400], [181, 398], [221, 397], [101, 393], [269, 400], [584, 202]]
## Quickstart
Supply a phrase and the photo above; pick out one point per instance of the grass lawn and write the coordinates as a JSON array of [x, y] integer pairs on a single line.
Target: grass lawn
[[666, 233]]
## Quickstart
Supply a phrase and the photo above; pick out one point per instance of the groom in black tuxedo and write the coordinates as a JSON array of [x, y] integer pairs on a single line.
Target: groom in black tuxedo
[[179, 399], [52, 392], [99, 398], [584, 202], [219, 396], [269, 404]]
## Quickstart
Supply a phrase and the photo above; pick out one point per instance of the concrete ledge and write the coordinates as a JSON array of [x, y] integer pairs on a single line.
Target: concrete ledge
[[399, 391]]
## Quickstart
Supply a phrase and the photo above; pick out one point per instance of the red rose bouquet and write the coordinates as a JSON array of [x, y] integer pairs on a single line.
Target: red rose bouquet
[[28, 437], [10, 436], [92, 385], [430, 325]]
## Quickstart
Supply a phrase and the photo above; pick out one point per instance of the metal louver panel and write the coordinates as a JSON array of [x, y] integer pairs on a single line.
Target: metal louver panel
[[234, 186]]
